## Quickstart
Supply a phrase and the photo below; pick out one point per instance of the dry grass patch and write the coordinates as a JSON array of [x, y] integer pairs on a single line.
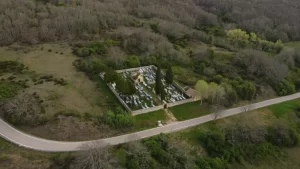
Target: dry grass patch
[[80, 94], [71, 129]]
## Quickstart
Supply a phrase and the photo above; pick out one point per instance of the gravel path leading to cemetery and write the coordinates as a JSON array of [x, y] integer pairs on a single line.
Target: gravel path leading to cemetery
[[25, 140]]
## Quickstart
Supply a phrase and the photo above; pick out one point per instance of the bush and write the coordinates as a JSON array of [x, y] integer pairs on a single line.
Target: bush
[[118, 120], [8, 90], [133, 61], [83, 52], [298, 112], [211, 163], [214, 142], [285, 88], [283, 136], [62, 160], [245, 89], [24, 109]]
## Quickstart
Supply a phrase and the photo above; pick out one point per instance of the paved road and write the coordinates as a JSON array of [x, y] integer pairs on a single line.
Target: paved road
[[32, 142]]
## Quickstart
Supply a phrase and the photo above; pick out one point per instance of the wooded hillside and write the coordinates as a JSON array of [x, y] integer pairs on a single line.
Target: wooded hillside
[[35, 21]]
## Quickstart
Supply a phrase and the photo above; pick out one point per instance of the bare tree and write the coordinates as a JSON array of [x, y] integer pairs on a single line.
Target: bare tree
[[95, 155], [217, 110], [140, 155], [23, 109]]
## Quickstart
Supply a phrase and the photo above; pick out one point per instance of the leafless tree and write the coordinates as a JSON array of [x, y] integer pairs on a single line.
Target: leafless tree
[[217, 110], [183, 151], [140, 154], [95, 155], [23, 109]]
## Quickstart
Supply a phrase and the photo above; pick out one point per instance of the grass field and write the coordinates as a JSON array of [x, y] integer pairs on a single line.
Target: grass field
[[189, 110], [283, 109], [148, 120]]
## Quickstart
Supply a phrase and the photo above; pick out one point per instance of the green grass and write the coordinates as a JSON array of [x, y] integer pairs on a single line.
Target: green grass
[[8, 90], [189, 110], [148, 120], [282, 109], [121, 156], [5, 146], [111, 98]]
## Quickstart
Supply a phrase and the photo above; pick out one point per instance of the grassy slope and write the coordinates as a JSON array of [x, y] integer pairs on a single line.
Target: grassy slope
[[145, 121], [189, 110]]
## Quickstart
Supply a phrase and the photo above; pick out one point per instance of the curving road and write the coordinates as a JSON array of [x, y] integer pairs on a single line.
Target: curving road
[[24, 140]]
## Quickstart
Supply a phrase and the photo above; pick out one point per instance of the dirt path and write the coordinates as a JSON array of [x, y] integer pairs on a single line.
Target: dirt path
[[171, 117]]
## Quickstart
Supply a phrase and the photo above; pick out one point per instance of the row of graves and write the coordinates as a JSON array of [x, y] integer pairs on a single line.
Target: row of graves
[[145, 97]]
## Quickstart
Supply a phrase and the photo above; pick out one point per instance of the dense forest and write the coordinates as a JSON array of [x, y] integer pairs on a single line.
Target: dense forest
[[36, 21]]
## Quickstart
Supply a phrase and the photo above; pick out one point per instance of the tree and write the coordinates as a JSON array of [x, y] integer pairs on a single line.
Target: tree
[[24, 109], [217, 110], [169, 75], [122, 85], [237, 34], [162, 94], [158, 82], [202, 89], [110, 76], [138, 156], [133, 61], [131, 87], [95, 155], [238, 37]]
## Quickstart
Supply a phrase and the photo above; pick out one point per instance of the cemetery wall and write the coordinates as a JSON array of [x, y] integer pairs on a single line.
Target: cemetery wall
[[119, 98], [179, 87], [132, 69], [180, 102], [143, 111]]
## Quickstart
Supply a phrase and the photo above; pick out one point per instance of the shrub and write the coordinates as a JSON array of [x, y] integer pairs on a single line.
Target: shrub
[[8, 90], [298, 112], [83, 52], [24, 109], [214, 142], [283, 136], [118, 120], [62, 160], [11, 77], [211, 163], [133, 61], [245, 89], [285, 88]]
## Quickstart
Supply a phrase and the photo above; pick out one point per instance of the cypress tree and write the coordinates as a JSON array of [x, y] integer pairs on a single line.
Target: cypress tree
[[158, 83], [122, 85], [131, 88], [169, 75], [162, 94]]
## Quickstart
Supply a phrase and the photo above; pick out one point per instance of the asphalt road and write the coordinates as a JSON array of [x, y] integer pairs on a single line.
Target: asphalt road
[[25, 140]]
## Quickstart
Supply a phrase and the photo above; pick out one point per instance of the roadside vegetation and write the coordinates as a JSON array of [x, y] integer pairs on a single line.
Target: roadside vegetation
[[257, 139]]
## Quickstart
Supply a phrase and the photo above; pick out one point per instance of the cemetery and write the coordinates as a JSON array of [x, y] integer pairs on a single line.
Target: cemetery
[[145, 96]]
